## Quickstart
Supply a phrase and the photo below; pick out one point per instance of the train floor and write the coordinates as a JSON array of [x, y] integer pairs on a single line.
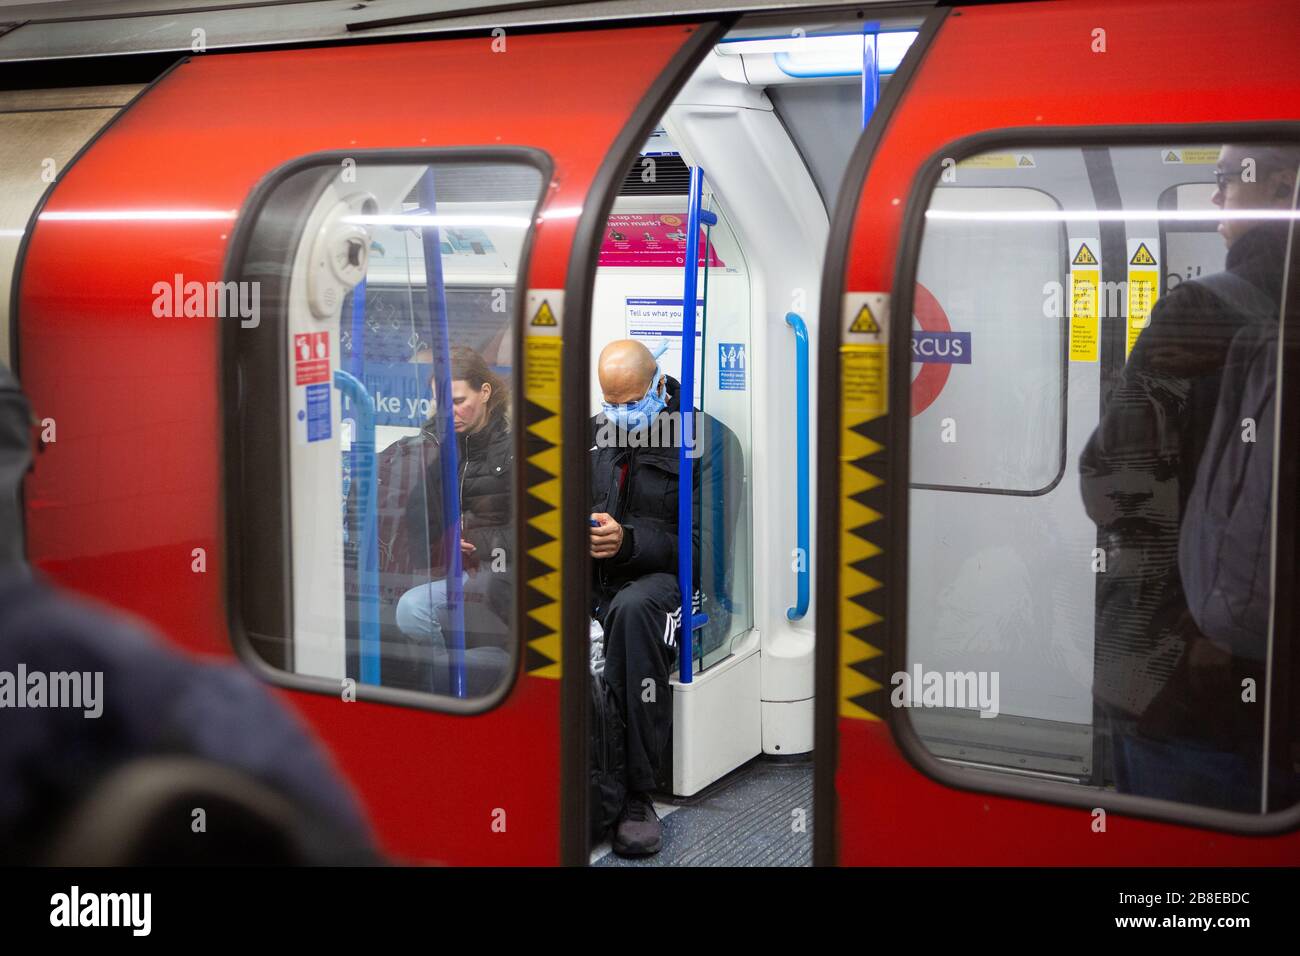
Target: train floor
[[751, 817]]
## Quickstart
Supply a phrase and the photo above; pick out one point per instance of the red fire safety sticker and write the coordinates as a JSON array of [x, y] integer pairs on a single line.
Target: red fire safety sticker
[[311, 358]]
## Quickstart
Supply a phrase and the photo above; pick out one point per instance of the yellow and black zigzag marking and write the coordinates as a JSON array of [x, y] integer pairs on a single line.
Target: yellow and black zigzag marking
[[863, 682], [542, 508]]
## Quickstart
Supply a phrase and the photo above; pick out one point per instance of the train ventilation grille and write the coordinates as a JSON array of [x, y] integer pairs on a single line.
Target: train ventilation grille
[[669, 176]]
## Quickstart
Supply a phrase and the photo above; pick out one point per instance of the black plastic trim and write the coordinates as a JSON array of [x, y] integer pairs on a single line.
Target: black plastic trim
[[827, 613]]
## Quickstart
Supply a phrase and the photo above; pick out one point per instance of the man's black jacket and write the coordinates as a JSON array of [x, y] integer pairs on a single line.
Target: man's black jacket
[[1137, 471], [645, 502]]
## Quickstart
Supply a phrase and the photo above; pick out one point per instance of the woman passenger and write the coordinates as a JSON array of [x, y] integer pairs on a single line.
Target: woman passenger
[[485, 462]]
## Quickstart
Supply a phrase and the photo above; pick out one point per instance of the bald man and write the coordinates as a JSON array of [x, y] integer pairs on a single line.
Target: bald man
[[634, 467]]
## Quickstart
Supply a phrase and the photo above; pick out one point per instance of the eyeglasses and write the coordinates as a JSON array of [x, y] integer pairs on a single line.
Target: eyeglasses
[[1221, 179]]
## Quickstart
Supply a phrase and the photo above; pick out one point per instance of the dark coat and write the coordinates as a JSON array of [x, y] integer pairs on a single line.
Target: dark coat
[[646, 504], [485, 463], [156, 700], [1136, 474]]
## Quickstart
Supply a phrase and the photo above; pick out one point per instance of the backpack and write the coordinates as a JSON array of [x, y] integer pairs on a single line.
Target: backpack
[[608, 757], [1224, 556]]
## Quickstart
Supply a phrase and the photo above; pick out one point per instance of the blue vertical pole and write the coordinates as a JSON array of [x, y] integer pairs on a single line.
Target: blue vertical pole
[[802, 519], [685, 484], [870, 71], [357, 359], [363, 473], [445, 428]]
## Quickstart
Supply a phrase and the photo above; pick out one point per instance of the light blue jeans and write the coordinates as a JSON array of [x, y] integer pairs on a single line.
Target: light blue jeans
[[416, 612]]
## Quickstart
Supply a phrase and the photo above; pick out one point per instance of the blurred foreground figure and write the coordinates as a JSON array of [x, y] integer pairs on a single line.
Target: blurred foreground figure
[[117, 749]]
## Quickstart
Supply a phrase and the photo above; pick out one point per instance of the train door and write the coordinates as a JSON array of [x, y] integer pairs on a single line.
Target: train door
[[1027, 447], [289, 296]]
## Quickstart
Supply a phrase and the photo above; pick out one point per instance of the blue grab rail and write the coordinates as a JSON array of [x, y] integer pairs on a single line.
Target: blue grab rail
[[445, 427], [870, 70], [685, 485], [356, 361], [803, 573], [363, 473]]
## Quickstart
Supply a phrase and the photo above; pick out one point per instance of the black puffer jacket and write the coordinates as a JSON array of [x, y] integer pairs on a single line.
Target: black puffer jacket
[[645, 503], [486, 462]]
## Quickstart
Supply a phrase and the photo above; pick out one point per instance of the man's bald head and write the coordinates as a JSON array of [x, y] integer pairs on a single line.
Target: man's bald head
[[625, 370]]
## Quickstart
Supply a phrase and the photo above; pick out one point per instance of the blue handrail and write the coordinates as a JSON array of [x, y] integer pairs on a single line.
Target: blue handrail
[[356, 362], [804, 572], [685, 485], [363, 473], [870, 70], [445, 428]]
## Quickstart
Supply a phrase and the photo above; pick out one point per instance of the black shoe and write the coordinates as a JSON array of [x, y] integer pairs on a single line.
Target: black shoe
[[638, 831]]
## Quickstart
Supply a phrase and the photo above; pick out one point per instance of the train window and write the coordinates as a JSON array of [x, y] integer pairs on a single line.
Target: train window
[[1112, 629], [389, 290], [967, 356]]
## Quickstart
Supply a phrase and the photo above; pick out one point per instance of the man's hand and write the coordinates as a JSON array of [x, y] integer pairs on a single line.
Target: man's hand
[[606, 537]]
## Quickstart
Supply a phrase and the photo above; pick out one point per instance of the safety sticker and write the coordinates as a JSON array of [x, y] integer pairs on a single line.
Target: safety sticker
[[312, 413], [999, 161], [543, 311], [731, 366], [1143, 287], [1085, 299], [1197, 156], [864, 400], [866, 345], [543, 320], [866, 318], [311, 358]]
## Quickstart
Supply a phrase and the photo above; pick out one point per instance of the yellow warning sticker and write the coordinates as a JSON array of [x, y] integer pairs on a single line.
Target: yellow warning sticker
[[863, 684], [864, 321], [543, 312], [866, 317], [1142, 256], [544, 594], [544, 315], [1143, 288], [998, 161], [1085, 255], [1085, 300], [1196, 156]]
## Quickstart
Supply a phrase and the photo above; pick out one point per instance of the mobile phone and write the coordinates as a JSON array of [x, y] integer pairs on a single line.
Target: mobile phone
[[595, 523]]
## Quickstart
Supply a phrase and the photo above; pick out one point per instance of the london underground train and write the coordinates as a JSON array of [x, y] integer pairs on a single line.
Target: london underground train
[[915, 247]]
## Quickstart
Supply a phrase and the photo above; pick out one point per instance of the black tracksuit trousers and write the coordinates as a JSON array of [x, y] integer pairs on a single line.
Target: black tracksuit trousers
[[641, 622]]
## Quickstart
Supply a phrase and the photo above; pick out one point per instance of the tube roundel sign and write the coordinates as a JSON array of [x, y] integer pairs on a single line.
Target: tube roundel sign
[[936, 348]]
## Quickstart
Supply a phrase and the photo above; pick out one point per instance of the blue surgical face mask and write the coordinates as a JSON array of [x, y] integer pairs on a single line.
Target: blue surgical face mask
[[634, 416]]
